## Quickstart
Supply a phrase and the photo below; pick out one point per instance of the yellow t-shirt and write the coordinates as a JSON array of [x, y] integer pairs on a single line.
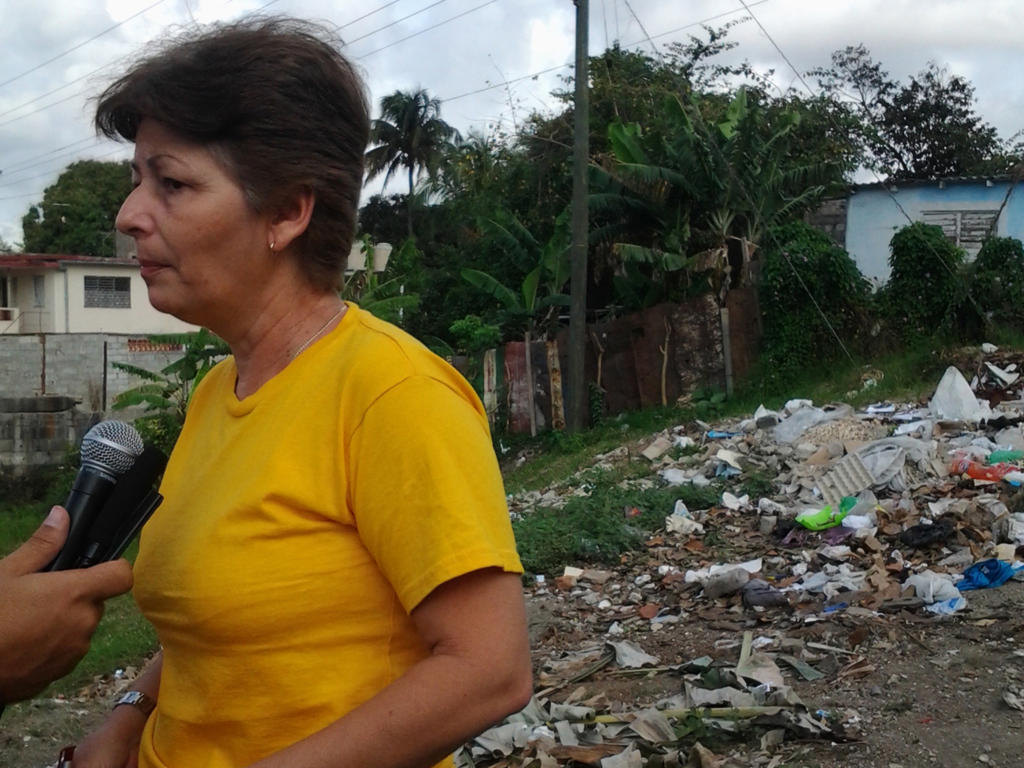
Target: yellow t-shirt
[[300, 527]]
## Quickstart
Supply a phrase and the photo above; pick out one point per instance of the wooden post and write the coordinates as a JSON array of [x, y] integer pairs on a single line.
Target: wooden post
[[727, 351]]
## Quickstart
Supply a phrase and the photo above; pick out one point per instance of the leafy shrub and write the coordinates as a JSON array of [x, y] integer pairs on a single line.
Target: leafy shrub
[[594, 529], [998, 281], [473, 335], [926, 288], [795, 334]]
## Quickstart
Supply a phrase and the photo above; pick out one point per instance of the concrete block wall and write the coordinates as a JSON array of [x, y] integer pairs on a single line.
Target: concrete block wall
[[74, 367], [21, 365], [77, 365], [40, 439]]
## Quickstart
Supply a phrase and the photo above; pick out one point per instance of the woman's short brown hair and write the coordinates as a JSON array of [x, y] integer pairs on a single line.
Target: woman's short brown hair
[[277, 104]]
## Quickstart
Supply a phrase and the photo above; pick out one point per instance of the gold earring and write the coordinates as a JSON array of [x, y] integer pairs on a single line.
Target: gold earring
[[272, 244]]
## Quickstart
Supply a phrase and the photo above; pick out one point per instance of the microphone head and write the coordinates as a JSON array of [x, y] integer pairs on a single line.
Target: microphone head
[[111, 448]]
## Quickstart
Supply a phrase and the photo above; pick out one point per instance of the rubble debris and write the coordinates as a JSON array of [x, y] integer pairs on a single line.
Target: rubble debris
[[779, 604]]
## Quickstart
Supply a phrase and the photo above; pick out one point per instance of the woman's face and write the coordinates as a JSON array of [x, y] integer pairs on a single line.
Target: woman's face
[[202, 249]]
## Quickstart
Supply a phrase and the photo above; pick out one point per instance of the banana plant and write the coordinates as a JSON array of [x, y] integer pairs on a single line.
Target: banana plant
[[164, 395], [542, 286], [734, 177]]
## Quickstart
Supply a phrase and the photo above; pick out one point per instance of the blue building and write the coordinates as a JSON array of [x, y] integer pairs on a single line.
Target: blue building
[[967, 209]]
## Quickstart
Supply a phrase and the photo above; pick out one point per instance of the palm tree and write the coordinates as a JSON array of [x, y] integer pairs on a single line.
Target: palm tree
[[409, 134]]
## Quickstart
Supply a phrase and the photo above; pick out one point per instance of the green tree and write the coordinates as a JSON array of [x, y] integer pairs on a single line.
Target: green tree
[[409, 135], [799, 262], [716, 182], [77, 212], [997, 278], [924, 128]]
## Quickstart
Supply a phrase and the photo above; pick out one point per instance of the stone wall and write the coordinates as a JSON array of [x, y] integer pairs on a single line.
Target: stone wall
[[77, 365], [38, 432], [830, 218], [53, 387]]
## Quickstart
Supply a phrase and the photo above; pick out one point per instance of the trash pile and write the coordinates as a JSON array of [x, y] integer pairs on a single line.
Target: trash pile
[[875, 518]]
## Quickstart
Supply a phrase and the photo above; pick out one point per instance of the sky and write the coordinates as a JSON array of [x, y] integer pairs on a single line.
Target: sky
[[491, 62]]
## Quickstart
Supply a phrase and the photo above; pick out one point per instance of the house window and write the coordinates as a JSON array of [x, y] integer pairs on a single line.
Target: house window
[[968, 229], [109, 292], [38, 292]]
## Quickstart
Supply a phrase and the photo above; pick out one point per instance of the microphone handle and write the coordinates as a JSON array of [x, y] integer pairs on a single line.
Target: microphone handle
[[87, 497]]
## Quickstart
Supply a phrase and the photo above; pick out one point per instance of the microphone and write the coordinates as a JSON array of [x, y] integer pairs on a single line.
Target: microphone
[[109, 450], [129, 506]]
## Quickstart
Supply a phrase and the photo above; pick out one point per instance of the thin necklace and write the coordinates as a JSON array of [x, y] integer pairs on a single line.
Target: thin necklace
[[319, 331]]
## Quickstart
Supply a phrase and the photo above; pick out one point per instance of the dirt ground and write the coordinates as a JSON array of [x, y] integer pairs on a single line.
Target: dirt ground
[[932, 697]]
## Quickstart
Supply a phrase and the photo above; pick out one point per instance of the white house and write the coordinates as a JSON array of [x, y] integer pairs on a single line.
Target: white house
[[57, 293]]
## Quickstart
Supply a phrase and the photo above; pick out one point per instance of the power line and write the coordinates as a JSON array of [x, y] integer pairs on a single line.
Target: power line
[[644, 29], [628, 45], [79, 93], [428, 29], [397, 21], [42, 109], [41, 192], [51, 159], [775, 45], [368, 15], [19, 165], [54, 157], [884, 186], [74, 155], [380, 8], [51, 92], [80, 45]]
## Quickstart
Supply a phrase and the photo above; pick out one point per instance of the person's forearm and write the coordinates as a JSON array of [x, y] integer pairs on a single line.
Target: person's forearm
[[128, 719], [149, 681], [416, 721]]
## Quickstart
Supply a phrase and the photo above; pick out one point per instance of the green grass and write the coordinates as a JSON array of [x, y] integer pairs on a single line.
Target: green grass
[[596, 529], [17, 522]]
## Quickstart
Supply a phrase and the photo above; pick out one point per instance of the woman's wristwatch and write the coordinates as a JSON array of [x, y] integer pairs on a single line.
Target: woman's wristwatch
[[136, 699]]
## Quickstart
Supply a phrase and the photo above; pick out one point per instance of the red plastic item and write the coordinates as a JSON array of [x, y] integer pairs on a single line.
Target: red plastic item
[[963, 465]]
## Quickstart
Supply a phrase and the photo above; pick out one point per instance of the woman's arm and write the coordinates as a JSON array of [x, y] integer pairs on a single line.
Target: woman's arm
[[116, 741], [478, 671]]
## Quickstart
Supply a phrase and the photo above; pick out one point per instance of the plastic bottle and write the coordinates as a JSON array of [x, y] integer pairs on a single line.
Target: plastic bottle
[[962, 464], [993, 472]]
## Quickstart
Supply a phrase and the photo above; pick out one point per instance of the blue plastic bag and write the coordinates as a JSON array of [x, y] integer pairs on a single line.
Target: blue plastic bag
[[985, 574]]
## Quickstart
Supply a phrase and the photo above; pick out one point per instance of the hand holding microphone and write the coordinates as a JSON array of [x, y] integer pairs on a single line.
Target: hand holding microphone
[[47, 619]]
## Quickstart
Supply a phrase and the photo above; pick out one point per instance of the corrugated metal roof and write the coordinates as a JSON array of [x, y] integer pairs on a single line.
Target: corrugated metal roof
[[933, 182], [55, 260]]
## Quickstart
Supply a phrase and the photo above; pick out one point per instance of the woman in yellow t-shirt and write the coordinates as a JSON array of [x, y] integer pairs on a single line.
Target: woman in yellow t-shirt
[[332, 574]]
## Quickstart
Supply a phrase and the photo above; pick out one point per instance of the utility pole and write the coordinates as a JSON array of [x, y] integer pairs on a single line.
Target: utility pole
[[578, 276]]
